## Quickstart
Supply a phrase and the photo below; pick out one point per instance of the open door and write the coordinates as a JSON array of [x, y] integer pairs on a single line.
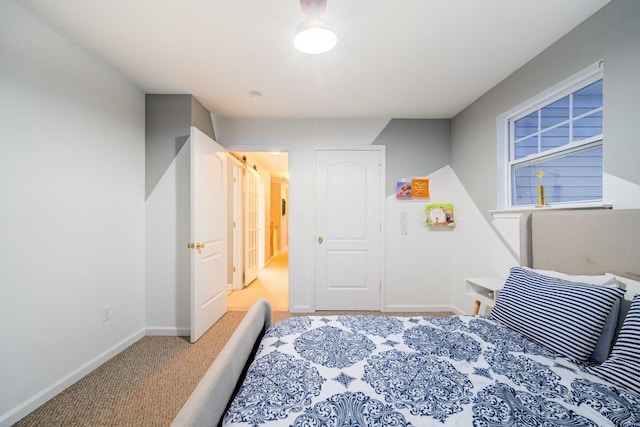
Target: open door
[[208, 233]]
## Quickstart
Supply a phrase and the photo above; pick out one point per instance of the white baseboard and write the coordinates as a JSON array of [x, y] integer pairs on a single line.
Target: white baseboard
[[16, 414], [391, 308], [168, 332], [457, 310], [301, 309], [417, 308]]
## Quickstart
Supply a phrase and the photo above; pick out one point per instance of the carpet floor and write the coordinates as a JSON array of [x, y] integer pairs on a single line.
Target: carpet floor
[[148, 382]]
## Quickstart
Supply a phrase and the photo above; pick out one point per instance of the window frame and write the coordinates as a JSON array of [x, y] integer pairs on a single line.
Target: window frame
[[506, 133]]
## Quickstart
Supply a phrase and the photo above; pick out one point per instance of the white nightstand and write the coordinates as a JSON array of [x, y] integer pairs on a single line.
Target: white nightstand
[[483, 290]]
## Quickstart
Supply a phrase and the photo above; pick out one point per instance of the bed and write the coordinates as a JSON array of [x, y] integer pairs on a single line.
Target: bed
[[561, 347]]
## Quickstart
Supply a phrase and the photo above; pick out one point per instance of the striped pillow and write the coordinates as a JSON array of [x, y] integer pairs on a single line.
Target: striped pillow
[[603, 347], [622, 368], [565, 317]]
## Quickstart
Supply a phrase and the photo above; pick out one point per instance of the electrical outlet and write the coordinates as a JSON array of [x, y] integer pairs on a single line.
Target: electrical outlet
[[106, 313]]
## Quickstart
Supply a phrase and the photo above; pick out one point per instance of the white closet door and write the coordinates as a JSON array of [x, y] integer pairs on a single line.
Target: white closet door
[[348, 204], [251, 227]]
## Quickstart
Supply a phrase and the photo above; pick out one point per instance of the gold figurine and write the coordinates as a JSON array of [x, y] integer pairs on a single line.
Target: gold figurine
[[541, 200]]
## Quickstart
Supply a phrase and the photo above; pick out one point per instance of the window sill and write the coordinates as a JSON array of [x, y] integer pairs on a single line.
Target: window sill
[[567, 206]]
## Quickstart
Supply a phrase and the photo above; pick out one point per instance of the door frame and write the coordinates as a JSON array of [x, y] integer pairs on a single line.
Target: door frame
[[266, 148], [381, 205]]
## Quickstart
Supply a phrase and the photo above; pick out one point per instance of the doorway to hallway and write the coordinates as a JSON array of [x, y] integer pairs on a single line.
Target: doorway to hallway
[[261, 223]]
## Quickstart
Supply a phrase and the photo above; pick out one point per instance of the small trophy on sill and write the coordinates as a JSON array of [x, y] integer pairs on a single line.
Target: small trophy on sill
[[541, 200]]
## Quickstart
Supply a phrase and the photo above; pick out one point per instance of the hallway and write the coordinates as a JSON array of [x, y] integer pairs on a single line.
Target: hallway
[[272, 284]]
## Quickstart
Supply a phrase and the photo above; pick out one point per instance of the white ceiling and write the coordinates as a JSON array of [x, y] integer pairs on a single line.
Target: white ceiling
[[394, 59]]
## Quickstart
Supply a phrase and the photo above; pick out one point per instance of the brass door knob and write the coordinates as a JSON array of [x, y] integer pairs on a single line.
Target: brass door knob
[[320, 239], [197, 245]]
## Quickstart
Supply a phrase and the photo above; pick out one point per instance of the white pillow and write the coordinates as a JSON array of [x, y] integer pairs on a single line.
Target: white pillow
[[607, 279], [631, 286]]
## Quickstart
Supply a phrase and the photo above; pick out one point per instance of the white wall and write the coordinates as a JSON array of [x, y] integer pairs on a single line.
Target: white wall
[[426, 267], [612, 34], [298, 138], [167, 225], [418, 261], [71, 215]]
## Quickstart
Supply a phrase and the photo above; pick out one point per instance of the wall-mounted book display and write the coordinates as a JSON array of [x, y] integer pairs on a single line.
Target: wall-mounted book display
[[414, 188], [439, 215]]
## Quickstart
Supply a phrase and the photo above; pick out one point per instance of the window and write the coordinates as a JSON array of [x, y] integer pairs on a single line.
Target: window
[[560, 133]]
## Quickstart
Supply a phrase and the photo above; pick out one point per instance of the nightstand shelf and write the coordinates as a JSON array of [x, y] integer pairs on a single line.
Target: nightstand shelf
[[483, 290]]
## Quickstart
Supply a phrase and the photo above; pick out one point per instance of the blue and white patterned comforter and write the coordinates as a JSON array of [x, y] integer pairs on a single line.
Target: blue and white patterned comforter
[[418, 371]]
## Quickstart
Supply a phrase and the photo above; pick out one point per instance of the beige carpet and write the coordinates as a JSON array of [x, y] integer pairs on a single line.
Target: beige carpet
[[147, 383]]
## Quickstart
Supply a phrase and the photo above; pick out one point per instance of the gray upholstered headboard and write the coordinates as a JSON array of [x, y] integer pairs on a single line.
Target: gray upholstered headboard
[[582, 241]]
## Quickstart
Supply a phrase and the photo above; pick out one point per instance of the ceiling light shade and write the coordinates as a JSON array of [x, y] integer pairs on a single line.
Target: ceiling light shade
[[314, 36]]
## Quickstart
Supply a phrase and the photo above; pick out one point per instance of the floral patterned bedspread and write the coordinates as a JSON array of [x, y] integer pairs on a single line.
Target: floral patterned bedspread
[[418, 371]]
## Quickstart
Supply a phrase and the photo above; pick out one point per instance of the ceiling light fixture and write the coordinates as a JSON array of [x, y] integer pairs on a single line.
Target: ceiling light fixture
[[314, 35]]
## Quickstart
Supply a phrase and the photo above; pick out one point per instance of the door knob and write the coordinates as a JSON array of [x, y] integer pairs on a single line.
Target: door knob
[[320, 240], [197, 245]]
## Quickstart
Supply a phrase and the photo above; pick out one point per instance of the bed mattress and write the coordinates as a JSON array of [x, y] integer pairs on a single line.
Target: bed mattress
[[420, 371]]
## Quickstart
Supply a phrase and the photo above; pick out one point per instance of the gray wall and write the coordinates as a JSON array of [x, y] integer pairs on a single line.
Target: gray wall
[[414, 148], [285, 133], [167, 128], [168, 119], [201, 118], [613, 35]]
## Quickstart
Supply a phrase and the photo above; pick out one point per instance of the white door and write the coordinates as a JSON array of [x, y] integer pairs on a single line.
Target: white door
[[251, 227], [349, 205], [261, 213], [208, 233], [237, 228]]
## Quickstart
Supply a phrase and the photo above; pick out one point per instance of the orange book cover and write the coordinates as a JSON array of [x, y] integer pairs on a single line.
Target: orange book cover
[[420, 187]]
